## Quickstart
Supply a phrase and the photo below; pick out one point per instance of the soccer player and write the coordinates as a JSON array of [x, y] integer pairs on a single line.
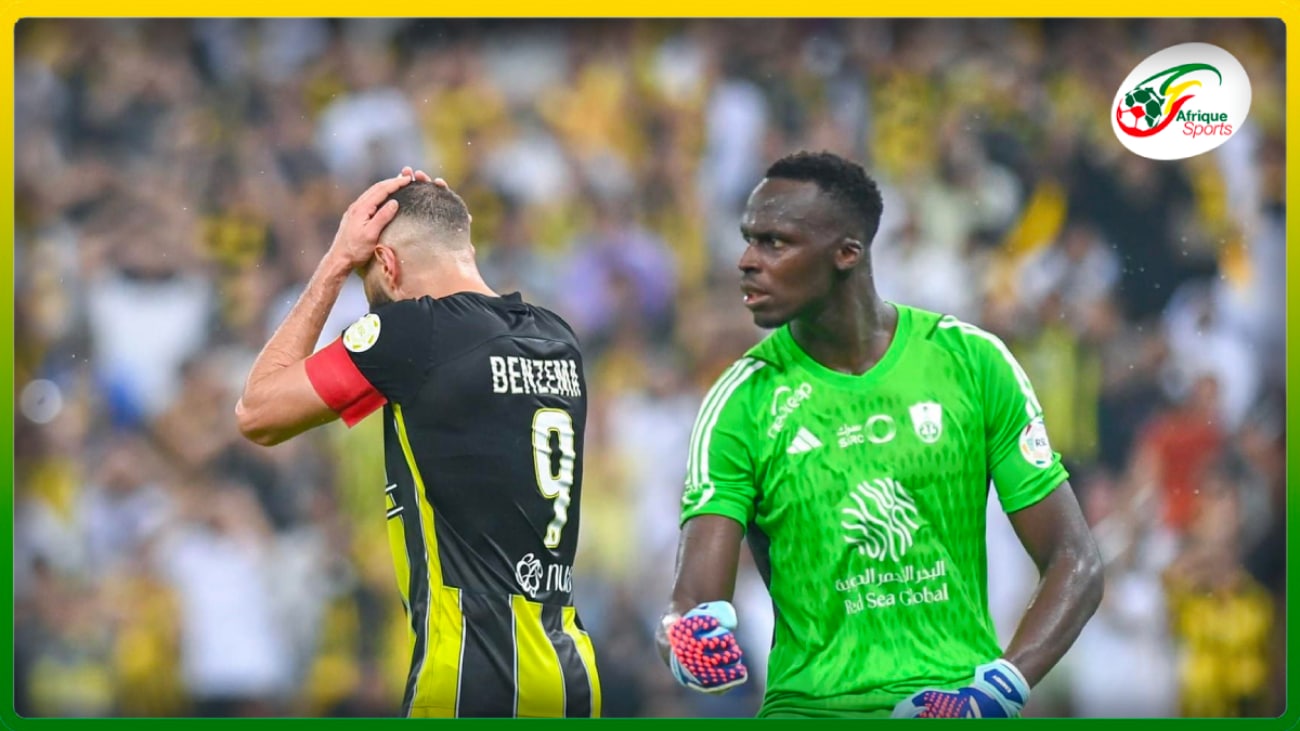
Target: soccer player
[[484, 408], [853, 448]]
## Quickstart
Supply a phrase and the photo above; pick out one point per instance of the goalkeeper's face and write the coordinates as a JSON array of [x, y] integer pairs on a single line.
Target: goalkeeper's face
[[789, 265]]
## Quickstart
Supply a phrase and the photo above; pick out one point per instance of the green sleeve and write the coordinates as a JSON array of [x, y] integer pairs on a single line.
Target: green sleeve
[[1020, 458], [720, 466]]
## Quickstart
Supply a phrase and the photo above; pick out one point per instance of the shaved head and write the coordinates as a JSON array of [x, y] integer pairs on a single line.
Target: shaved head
[[429, 218]]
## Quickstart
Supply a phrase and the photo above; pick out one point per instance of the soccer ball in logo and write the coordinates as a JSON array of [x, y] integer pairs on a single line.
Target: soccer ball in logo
[[1147, 102]]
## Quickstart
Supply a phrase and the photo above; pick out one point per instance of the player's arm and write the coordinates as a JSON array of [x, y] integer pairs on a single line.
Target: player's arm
[[708, 557], [1034, 491], [279, 400], [695, 635], [1058, 539]]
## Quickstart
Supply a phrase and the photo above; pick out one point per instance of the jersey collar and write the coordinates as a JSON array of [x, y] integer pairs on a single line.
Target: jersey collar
[[800, 359]]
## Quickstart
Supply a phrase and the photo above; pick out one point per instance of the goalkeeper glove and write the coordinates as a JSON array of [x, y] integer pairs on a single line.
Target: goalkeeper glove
[[999, 691], [705, 656]]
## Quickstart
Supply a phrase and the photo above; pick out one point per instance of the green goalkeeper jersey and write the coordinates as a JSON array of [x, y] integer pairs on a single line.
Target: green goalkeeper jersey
[[864, 499]]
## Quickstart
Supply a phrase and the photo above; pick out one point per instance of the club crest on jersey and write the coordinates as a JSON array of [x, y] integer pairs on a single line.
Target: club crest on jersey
[[362, 334], [927, 420]]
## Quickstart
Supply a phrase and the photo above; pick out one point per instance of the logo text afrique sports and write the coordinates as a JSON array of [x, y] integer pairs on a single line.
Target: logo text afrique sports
[[1180, 102]]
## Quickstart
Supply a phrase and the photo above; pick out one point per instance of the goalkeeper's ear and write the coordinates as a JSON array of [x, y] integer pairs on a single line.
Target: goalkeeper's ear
[[848, 254]]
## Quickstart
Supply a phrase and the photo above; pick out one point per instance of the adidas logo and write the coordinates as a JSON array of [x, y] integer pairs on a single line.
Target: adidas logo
[[804, 441]]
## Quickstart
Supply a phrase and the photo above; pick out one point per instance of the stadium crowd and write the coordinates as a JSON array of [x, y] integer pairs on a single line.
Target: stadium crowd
[[177, 181]]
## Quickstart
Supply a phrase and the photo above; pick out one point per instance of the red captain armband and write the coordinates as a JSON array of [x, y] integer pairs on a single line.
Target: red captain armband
[[340, 385]]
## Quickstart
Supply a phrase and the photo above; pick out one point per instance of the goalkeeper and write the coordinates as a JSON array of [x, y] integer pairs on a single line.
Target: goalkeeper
[[854, 448]]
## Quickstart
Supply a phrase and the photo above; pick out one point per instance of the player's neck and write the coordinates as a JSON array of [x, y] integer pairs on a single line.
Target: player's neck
[[848, 336], [450, 278]]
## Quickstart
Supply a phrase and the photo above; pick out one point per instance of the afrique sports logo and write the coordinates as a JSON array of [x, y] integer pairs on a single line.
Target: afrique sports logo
[[1183, 101]]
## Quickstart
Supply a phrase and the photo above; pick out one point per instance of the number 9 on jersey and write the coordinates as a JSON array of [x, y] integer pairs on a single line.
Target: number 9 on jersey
[[554, 480]]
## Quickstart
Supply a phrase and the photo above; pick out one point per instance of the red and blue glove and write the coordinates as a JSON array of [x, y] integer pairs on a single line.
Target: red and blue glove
[[999, 691], [705, 656]]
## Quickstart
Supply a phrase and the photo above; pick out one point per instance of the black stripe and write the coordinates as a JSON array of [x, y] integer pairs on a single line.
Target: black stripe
[[487, 669], [577, 686]]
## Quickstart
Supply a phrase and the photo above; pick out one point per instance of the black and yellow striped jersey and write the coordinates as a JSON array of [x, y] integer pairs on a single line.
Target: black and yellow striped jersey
[[484, 406]]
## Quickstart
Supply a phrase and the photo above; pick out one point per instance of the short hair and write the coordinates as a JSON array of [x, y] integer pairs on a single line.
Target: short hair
[[844, 180], [432, 206]]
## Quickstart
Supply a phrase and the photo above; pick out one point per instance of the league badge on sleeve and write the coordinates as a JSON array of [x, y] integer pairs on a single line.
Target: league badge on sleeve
[[1034, 446], [362, 334]]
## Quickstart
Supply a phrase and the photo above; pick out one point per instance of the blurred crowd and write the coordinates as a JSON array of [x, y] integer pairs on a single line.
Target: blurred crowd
[[177, 182]]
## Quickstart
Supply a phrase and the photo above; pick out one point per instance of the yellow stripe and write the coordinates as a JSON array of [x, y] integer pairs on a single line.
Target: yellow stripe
[[436, 685], [421, 498], [538, 676], [588, 654], [397, 544]]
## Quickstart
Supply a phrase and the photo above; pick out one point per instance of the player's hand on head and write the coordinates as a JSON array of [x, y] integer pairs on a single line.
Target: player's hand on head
[[421, 176], [364, 221], [997, 691], [705, 654]]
